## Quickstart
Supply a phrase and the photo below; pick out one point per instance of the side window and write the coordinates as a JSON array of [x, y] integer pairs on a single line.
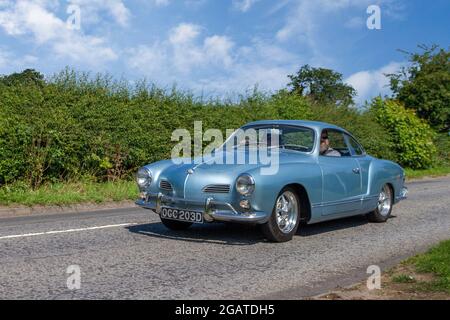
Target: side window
[[357, 149], [334, 144], [298, 139]]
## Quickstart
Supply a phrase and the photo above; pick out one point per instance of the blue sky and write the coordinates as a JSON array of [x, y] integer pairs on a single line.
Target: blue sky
[[219, 47]]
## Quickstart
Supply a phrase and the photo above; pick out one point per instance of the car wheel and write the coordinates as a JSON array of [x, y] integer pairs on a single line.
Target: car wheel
[[384, 206], [175, 225], [285, 218]]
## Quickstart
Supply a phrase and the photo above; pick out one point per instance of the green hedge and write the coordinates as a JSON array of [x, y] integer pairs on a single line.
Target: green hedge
[[413, 137], [442, 143], [72, 126]]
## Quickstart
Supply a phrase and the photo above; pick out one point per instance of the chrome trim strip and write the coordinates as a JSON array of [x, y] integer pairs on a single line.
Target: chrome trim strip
[[334, 203], [339, 202], [254, 217]]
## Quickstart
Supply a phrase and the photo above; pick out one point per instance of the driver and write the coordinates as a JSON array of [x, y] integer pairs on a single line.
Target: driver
[[325, 149]]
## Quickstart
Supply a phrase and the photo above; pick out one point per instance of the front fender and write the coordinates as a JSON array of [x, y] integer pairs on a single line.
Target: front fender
[[156, 168], [268, 187]]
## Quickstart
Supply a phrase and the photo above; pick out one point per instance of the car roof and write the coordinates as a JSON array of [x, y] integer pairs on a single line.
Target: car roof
[[310, 124]]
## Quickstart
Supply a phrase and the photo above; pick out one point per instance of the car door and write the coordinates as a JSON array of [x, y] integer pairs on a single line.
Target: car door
[[341, 178], [363, 159]]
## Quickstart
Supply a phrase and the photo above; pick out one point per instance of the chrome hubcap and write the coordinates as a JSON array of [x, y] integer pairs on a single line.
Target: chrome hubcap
[[385, 201], [286, 210]]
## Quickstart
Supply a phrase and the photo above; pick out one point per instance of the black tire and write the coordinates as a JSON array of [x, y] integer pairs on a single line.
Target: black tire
[[272, 231], [378, 216], [175, 225]]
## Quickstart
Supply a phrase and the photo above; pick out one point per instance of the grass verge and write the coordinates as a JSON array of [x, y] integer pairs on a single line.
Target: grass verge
[[435, 262], [432, 172], [423, 277], [69, 193]]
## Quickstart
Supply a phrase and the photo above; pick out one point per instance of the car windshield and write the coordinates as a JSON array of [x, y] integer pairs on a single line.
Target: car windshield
[[273, 136]]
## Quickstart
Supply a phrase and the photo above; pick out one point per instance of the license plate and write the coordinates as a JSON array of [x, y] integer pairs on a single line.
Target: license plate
[[181, 215]]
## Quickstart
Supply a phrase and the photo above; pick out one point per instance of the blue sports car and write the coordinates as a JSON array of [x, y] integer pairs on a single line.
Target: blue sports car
[[310, 172]]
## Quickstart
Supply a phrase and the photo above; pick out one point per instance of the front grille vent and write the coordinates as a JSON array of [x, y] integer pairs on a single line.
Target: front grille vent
[[165, 185], [217, 188]]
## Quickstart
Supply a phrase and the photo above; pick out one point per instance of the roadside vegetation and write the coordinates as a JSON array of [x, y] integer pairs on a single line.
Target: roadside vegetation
[[68, 193], [436, 263], [76, 137], [432, 172], [425, 276]]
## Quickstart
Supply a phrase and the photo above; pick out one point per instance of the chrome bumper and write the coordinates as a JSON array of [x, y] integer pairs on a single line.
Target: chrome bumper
[[212, 210], [403, 194]]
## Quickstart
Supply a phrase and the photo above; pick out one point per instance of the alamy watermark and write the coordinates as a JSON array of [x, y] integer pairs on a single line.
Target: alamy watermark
[[73, 21], [258, 146], [374, 280], [74, 280], [374, 19]]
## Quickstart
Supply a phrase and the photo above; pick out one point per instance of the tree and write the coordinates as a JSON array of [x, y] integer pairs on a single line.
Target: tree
[[424, 85], [26, 77], [322, 86]]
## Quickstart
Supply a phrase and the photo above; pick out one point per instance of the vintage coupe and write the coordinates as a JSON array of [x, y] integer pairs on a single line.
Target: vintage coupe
[[311, 184]]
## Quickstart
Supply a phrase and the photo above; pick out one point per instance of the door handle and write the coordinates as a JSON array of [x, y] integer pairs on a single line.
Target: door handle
[[356, 170]]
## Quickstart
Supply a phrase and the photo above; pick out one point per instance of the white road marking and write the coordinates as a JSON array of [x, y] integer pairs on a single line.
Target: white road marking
[[66, 231]]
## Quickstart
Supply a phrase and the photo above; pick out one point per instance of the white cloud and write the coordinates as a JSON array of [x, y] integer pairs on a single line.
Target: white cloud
[[34, 19], [119, 11], [184, 33], [87, 49], [217, 49], [244, 5], [212, 64], [244, 77], [262, 63], [186, 53], [150, 59], [371, 83], [183, 51]]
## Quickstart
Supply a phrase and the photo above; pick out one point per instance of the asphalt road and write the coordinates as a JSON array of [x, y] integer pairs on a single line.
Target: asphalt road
[[128, 254]]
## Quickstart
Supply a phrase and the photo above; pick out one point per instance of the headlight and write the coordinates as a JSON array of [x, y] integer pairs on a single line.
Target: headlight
[[245, 184], [143, 178]]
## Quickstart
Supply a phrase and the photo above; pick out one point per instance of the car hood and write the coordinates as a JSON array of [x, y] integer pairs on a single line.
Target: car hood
[[189, 179]]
